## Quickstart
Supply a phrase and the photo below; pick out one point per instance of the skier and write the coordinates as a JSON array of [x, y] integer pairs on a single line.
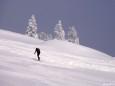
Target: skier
[[38, 53]]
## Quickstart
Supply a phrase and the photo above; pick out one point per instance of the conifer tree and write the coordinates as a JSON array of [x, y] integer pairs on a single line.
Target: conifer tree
[[72, 35], [59, 32], [32, 27], [43, 36]]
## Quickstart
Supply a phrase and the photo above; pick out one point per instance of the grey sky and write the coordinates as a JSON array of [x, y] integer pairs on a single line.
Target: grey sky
[[94, 19]]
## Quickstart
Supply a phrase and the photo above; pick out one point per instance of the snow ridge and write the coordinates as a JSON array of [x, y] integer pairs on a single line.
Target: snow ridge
[[62, 63]]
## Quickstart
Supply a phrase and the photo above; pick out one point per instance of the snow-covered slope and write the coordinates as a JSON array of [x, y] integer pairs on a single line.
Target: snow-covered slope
[[62, 63]]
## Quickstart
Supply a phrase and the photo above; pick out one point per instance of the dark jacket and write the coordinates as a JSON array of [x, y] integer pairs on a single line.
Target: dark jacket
[[37, 50]]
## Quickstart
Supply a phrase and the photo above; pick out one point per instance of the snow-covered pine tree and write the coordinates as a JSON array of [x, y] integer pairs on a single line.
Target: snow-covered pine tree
[[32, 27], [59, 32], [43, 36], [72, 35], [50, 37]]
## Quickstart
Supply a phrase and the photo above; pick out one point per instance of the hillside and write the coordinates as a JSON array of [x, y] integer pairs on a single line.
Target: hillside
[[62, 63]]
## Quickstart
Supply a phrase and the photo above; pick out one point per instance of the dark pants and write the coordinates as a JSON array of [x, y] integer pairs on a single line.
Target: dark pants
[[37, 50], [38, 56]]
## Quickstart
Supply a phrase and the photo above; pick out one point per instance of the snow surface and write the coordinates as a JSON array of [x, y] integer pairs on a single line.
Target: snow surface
[[62, 63]]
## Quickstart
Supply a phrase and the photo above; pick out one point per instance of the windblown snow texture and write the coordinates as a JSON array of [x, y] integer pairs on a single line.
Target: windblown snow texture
[[62, 63]]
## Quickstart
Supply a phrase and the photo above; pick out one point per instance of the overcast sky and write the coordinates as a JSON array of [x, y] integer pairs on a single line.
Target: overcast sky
[[93, 19]]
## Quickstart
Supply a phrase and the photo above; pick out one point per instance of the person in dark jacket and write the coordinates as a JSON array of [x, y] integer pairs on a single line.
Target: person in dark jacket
[[38, 53]]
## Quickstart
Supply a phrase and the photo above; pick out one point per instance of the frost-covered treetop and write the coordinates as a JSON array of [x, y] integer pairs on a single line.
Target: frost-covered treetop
[[32, 27], [33, 21], [59, 22], [59, 32], [72, 35]]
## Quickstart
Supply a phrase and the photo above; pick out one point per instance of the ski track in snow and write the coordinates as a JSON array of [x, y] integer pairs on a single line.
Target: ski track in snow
[[58, 66]]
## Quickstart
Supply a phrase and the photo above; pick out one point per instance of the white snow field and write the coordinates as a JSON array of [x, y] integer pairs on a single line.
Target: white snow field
[[62, 63]]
